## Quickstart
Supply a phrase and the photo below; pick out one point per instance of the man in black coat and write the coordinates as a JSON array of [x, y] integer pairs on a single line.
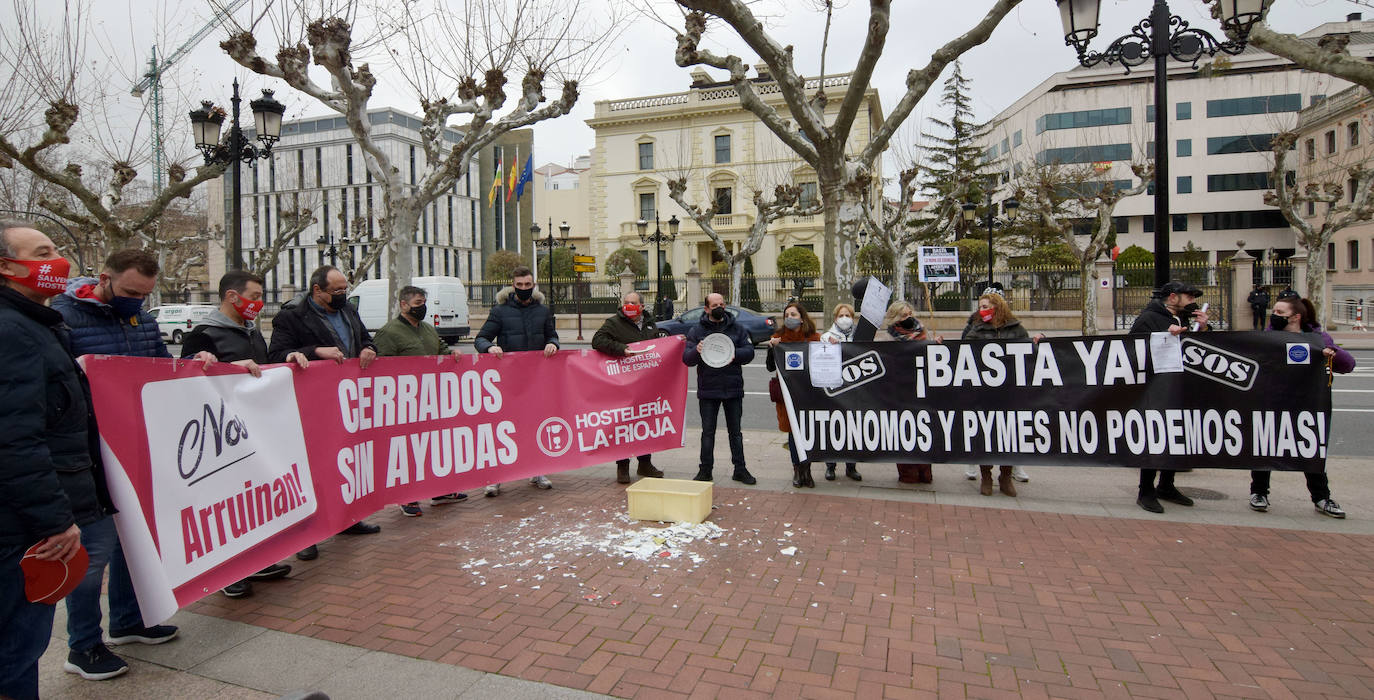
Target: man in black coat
[[1166, 313], [519, 322], [323, 326], [49, 485], [231, 335], [628, 325], [720, 387]]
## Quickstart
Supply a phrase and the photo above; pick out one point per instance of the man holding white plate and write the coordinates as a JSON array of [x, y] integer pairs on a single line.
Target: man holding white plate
[[718, 347]]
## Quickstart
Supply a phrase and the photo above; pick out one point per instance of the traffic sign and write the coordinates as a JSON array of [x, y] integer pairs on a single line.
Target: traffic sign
[[584, 259], [584, 268]]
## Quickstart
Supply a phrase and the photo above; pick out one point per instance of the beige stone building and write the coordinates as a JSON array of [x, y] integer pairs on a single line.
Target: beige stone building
[[561, 197], [1333, 135], [725, 153]]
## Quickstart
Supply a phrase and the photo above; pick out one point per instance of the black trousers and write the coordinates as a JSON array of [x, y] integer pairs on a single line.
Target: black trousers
[[1147, 480], [1317, 484]]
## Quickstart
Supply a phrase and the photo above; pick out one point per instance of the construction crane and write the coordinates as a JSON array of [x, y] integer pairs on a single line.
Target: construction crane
[[153, 80]]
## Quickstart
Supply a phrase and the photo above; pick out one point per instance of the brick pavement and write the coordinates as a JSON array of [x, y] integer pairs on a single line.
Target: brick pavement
[[880, 599]]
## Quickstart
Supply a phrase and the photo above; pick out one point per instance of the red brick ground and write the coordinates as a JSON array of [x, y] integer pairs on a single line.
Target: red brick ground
[[881, 599]]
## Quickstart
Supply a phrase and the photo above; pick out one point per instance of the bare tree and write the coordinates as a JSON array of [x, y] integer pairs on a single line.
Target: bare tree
[[1328, 54], [290, 223], [456, 59], [897, 232], [1343, 207], [845, 178], [1058, 196]]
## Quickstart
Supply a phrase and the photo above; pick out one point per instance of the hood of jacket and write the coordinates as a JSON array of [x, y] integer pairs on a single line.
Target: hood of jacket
[[219, 320], [508, 293], [82, 289]]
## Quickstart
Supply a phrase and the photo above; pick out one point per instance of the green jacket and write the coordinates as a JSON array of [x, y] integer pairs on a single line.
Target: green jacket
[[398, 337], [618, 331]]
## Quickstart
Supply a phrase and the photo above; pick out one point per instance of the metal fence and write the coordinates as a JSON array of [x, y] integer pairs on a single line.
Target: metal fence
[[1133, 287]]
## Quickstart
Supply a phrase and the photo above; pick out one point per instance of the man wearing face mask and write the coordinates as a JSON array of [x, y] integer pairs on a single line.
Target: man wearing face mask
[[720, 387], [323, 326], [51, 485], [628, 325], [411, 335], [1168, 312]]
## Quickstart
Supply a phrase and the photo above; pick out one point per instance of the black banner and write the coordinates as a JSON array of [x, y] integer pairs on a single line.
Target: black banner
[[1245, 400]]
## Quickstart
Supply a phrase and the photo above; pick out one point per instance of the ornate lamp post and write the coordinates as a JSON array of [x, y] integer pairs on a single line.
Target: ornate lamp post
[[1158, 37], [205, 125], [548, 244], [970, 213], [658, 238], [325, 245]]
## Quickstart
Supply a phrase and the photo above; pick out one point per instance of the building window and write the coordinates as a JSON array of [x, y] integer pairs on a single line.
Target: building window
[[1177, 222], [1016, 139], [412, 165], [1236, 182], [1185, 184], [1258, 218], [300, 168], [1267, 104], [722, 148], [1006, 146], [272, 173], [1183, 148], [1121, 224], [808, 194], [1084, 154], [724, 201], [1352, 249], [1243, 143], [1311, 208], [1352, 133], [1315, 99], [1083, 119], [348, 164], [1330, 142], [646, 156], [646, 206], [1309, 148], [1330, 256], [1184, 110], [1350, 186], [319, 169]]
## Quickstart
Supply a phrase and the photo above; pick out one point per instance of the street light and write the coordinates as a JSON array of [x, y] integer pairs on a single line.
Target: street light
[[658, 238], [1159, 36], [325, 244], [549, 244], [206, 123], [1011, 206]]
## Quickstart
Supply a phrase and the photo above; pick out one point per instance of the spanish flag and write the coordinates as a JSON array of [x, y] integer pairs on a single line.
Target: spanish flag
[[495, 185], [514, 173]]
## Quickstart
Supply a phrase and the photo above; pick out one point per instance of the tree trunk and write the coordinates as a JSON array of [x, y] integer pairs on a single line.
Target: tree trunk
[[843, 216], [1316, 282], [1088, 281], [736, 280], [398, 232], [902, 259]]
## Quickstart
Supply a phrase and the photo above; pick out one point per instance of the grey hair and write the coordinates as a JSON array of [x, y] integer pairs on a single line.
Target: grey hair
[[625, 298], [5, 225]]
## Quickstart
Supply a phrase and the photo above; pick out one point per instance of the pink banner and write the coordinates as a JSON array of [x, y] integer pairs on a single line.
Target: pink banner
[[217, 473]]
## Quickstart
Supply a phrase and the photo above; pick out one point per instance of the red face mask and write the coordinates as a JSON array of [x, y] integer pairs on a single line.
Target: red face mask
[[47, 277], [249, 309], [986, 314], [632, 310]]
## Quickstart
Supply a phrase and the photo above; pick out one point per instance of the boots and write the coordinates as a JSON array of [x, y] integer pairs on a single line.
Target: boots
[[703, 474], [924, 475], [796, 476], [985, 487], [622, 471], [829, 471], [805, 469], [852, 471], [646, 468], [1004, 481]]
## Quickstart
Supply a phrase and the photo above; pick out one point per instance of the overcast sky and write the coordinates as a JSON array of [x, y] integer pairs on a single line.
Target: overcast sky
[[1026, 48]]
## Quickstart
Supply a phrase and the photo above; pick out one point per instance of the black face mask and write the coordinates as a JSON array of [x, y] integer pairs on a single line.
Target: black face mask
[[1189, 309], [908, 324], [1277, 322], [418, 312], [338, 301], [524, 294], [718, 313]]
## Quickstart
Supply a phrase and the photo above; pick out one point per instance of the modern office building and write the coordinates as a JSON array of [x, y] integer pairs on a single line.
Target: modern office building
[[1221, 123]]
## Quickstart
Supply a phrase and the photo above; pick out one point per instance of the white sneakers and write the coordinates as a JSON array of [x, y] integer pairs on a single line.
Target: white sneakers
[[541, 482], [492, 490]]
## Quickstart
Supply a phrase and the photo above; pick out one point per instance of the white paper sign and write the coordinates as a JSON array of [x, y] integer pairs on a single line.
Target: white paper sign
[[939, 264], [874, 305], [825, 365], [1166, 352]]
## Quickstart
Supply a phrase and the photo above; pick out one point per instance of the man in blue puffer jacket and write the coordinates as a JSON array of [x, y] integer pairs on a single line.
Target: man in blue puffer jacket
[[106, 317], [719, 387]]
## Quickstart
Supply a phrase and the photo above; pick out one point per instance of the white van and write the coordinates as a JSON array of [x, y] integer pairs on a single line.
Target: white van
[[447, 304], [175, 320]]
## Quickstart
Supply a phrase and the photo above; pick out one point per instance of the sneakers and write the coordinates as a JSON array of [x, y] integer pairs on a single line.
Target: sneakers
[[1019, 474], [1328, 507], [157, 634], [541, 482], [95, 664], [271, 573], [238, 589], [971, 472], [448, 498], [1173, 495], [412, 509], [1259, 503], [492, 490]]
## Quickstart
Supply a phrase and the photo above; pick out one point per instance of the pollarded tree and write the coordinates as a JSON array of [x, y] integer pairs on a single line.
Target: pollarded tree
[[845, 178], [1328, 55], [456, 59], [896, 232]]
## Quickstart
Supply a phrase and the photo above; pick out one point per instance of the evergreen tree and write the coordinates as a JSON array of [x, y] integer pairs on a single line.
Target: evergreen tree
[[955, 167], [749, 296]]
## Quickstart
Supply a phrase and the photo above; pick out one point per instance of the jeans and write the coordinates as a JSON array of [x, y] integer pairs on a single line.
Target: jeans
[[734, 411], [101, 541], [26, 628], [1317, 484]]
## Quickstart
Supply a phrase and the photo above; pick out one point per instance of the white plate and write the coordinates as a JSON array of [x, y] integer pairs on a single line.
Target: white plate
[[717, 350]]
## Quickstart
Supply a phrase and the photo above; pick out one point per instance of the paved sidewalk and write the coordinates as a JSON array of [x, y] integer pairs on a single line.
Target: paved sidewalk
[[870, 589]]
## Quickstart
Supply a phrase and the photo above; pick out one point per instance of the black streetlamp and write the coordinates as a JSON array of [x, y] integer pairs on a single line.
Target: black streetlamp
[[1158, 37], [325, 244], [206, 123], [549, 244], [1010, 206], [658, 238]]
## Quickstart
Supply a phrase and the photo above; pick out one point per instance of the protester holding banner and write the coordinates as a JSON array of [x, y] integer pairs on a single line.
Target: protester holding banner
[[1165, 313], [232, 336], [627, 325], [718, 347], [1297, 315], [322, 325], [842, 330], [994, 321], [519, 322], [408, 335], [50, 487], [797, 327], [901, 324]]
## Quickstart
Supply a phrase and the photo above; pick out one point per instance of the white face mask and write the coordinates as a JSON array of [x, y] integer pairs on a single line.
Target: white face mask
[[844, 323]]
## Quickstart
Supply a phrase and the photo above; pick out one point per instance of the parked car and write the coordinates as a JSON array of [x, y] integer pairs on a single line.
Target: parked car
[[446, 298], [760, 327], [174, 320]]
